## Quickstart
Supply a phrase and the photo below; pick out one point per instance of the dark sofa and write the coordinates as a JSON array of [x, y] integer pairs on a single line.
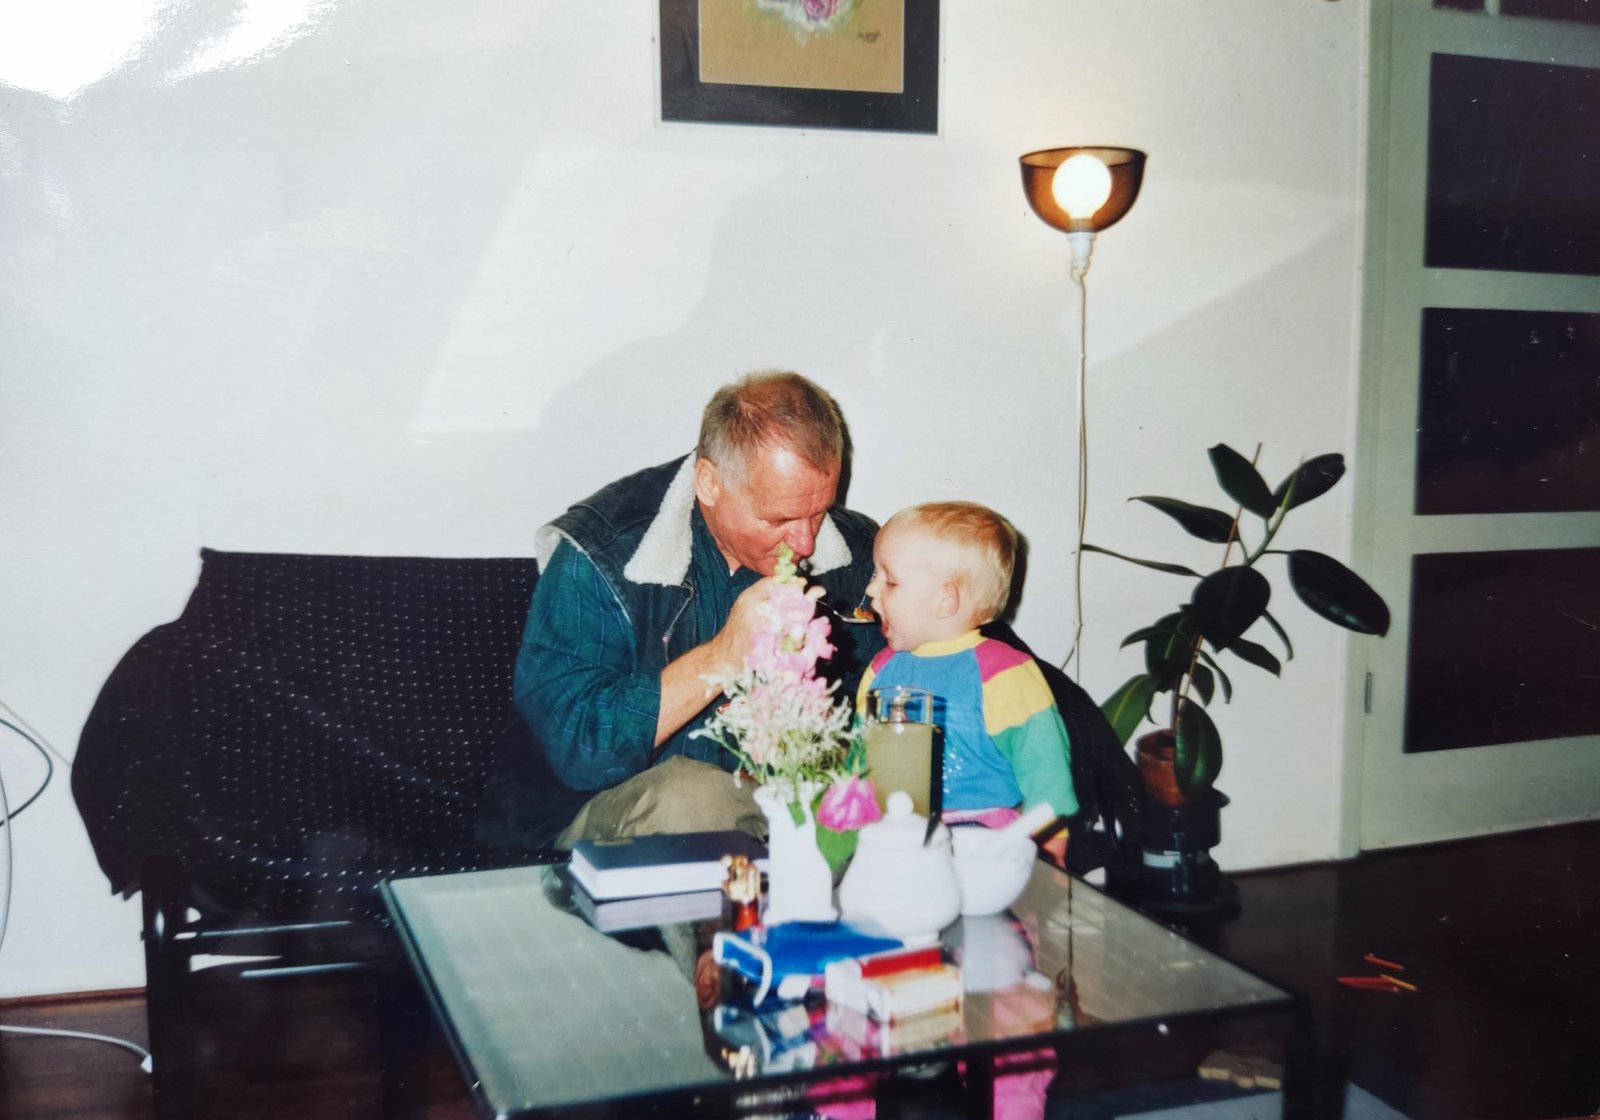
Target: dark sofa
[[308, 727], [312, 725]]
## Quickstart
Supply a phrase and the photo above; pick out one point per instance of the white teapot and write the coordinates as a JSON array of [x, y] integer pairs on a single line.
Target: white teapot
[[897, 884]]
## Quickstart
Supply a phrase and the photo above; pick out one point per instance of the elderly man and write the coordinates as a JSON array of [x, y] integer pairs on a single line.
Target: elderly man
[[651, 585]]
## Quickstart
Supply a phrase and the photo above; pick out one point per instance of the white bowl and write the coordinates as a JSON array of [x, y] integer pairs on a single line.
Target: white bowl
[[990, 879]]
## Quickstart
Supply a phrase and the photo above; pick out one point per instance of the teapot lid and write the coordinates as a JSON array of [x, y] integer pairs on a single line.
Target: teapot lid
[[902, 827]]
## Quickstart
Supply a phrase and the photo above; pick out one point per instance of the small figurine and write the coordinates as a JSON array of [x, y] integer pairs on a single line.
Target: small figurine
[[742, 890]]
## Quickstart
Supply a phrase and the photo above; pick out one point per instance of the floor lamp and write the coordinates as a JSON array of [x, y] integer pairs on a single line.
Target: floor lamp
[[1082, 191]]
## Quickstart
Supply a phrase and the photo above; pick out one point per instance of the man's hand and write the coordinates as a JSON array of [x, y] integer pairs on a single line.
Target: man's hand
[[684, 689], [744, 619]]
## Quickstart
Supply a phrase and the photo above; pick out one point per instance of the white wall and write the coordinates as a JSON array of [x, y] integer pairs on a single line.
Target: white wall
[[406, 277]]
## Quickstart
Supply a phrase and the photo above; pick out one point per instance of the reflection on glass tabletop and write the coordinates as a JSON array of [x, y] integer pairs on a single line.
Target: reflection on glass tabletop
[[546, 1012]]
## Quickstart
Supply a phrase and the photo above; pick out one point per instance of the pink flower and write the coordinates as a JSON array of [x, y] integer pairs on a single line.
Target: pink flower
[[849, 803], [820, 10], [781, 718], [790, 609], [817, 645], [794, 638], [763, 648]]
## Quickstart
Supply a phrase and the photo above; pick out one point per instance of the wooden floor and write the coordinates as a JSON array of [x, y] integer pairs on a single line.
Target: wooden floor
[[1501, 936]]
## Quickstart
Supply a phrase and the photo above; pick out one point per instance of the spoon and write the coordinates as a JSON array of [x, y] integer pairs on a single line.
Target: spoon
[[854, 618], [859, 616], [987, 843]]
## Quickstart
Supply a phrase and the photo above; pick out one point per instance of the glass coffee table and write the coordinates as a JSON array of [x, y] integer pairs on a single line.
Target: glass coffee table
[[547, 1015]]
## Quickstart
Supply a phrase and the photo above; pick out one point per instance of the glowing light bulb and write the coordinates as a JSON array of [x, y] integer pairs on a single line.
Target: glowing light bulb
[[1081, 185]]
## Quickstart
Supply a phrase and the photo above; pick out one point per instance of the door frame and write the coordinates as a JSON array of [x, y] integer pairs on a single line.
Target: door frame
[[1396, 287]]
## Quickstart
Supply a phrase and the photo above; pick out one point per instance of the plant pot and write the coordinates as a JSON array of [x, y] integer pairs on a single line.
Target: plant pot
[[1155, 752], [1177, 877], [1177, 874]]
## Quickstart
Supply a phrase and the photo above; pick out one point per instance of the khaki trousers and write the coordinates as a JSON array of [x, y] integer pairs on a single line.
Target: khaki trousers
[[676, 795]]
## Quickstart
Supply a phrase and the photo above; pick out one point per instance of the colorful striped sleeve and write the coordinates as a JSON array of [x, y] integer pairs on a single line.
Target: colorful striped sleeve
[[1020, 715], [878, 662], [1013, 688]]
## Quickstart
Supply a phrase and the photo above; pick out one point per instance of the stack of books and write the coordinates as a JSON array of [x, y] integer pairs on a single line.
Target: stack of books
[[653, 880], [894, 1002], [894, 985]]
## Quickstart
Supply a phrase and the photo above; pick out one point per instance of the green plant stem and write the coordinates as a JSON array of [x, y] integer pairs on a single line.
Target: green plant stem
[[1272, 531], [1277, 518]]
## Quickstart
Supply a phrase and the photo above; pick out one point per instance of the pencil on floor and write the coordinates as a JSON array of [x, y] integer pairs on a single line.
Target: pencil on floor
[[1366, 983]]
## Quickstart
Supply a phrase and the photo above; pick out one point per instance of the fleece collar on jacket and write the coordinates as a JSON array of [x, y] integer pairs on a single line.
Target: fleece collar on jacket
[[665, 549]]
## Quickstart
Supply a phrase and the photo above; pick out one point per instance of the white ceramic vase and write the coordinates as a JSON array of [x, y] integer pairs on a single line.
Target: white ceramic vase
[[799, 883]]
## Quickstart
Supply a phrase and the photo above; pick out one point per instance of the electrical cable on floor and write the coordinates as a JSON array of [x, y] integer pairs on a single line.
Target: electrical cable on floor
[[51, 1032], [6, 817]]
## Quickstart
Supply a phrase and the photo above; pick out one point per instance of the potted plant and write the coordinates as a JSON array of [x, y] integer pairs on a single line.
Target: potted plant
[[1180, 760]]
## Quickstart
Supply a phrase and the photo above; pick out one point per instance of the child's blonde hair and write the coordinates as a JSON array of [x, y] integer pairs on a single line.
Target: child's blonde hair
[[987, 543]]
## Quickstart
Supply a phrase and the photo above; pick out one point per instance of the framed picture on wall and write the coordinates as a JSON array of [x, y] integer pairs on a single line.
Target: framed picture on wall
[[868, 64]]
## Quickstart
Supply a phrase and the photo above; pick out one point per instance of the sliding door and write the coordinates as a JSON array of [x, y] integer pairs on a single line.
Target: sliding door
[[1479, 508]]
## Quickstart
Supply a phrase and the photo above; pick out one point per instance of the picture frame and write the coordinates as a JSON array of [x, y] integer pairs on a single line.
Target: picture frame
[[736, 62]]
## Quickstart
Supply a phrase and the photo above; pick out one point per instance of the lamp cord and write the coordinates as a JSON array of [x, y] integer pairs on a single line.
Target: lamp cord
[[7, 815], [52, 1032], [33, 734], [5, 898], [1079, 275]]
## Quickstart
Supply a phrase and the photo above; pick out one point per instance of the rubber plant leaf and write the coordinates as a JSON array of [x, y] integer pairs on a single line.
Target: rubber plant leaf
[[1127, 706], [1166, 655], [1242, 481], [1160, 566], [1257, 655], [1197, 753], [1200, 521], [1311, 479], [1222, 678], [1227, 603], [1204, 684], [1336, 593], [1283, 635], [1145, 632]]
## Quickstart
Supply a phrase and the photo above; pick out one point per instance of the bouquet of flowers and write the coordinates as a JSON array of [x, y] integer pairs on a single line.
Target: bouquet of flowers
[[784, 722]]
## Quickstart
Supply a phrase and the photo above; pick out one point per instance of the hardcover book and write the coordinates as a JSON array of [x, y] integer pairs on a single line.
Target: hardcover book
[[898, 995], [620, 914], [650, 865]]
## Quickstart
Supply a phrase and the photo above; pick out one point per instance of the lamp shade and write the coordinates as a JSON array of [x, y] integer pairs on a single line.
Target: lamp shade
[[1126, 168]]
